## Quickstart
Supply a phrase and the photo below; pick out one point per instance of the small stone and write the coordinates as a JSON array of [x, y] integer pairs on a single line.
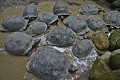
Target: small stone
[[13, 23], [73, 68]]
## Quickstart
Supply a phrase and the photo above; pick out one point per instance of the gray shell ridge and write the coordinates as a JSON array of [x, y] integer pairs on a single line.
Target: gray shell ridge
[[36, 28], [14, 23], [52, 65], [89, 9], [96, 23], [112, 18], [78, 25], [61, 8], [82, 48], [18, 43], [61, 37], [30, 12], [47, 17]]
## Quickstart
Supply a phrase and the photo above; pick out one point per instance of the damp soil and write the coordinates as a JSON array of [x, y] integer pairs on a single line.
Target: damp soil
[[13, 67]]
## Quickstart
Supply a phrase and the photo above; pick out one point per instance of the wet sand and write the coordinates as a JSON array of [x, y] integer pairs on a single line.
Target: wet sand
[[13, 67]]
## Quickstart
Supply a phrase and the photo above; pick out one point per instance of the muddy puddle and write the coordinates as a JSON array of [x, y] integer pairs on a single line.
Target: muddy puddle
[[13, 67]]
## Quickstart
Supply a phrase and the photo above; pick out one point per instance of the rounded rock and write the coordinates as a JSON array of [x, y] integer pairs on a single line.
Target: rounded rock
[[48, 64]]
